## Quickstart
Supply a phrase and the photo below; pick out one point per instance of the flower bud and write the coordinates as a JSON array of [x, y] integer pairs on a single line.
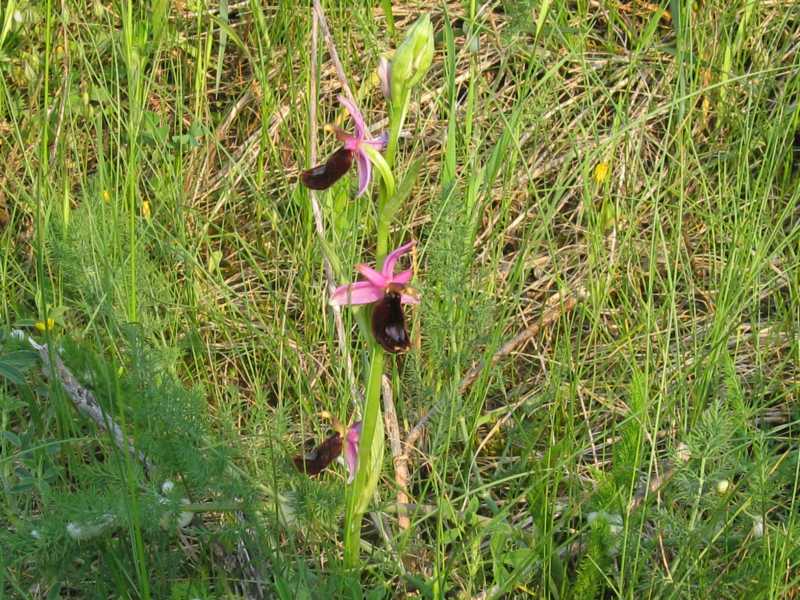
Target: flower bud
[[722, 486], [413, 58], [385, 77]]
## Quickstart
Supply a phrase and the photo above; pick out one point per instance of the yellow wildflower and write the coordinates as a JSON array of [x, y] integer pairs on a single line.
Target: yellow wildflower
[[146, 209], [601, 172], [48, 326], [106, 197]]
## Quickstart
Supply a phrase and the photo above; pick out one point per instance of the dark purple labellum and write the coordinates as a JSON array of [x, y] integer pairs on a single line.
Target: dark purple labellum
[[313, 463], [389, 323], [325, 175]]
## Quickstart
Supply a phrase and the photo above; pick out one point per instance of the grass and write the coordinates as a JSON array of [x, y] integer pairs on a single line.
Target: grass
[[643, 443]]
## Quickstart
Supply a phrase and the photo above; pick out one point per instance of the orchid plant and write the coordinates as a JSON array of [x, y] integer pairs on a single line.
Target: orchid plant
[[355, 146], [383, 289]]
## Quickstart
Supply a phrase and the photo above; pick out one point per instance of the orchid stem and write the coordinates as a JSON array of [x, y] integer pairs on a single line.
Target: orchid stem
[[370, 454], [397, 117], [360, 494], [362, 490], [356, 505], [382, 244]]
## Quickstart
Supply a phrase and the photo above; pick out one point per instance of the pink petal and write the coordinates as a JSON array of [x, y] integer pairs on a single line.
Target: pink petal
[[364, 167], [403, 277], [380, 142], [361, 292], [355, 114], [351, 449], [384, 74], [350, 142], [374, 278], [406, 299], [391, 259]]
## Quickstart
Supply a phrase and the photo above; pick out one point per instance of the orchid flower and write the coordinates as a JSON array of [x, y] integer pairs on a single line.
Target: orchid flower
[[314, 462], [389, 291], [325, 175], [376, 283]]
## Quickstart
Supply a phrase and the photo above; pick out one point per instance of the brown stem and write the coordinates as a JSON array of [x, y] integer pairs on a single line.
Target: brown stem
[[400, 462], [337, 64]]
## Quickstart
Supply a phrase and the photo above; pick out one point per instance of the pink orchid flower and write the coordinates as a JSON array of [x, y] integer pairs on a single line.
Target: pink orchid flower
[[316, 461], [351, 450], [323, 176], [377, 284]]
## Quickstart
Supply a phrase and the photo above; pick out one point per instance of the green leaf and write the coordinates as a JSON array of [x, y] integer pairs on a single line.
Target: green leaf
[[11, 437], [332, 257], [540, 19], [403, 191], [158, 18], [368, 490], [386, 5], [675, 11], [21, 359], [223, 40], [14, 364], [8, 15], [376, 158], [450, 148]]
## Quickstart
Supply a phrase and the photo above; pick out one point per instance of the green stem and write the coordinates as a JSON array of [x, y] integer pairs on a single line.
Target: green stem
[[371, 443], [396, 118], [382, 244], [368, 464]]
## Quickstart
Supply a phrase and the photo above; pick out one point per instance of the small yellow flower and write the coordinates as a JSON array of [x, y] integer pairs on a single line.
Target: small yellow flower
[[601, 172], [42, 326], [146, 209], [106, 197]]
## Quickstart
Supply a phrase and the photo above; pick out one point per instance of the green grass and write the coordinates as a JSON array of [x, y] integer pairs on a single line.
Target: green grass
[[149, 205]]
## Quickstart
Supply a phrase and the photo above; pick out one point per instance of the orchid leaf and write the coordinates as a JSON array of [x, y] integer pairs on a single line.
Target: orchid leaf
[[332, 256], [367, 491], [403, 191], [376, 158]]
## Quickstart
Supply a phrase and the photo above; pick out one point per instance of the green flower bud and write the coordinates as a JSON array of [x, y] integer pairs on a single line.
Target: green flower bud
[[413, 58]]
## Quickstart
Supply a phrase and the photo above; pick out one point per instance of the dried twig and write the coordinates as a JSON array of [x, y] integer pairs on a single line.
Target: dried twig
[[561, 304], [568, 302], [84, 399], [319, 223], [400, 465], [658, 481], [326, 32], [247, 566]]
